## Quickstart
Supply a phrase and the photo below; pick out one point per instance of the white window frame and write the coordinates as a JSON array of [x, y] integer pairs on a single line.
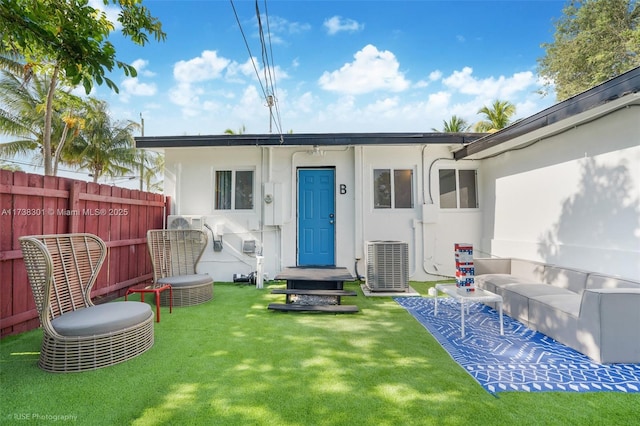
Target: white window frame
[[392, 171], [457, 171], [234, 175]]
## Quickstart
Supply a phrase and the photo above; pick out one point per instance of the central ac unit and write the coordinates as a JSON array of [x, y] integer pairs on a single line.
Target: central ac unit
[[184, 222], [387, 265]]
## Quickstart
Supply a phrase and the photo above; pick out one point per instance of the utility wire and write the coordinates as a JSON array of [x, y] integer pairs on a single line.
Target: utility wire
[[37, 166], [269, 92], [248, 49], [268, 67], [273, 83]]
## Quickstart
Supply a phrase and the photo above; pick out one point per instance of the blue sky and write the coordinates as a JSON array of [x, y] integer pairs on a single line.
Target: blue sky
[[337, 66]]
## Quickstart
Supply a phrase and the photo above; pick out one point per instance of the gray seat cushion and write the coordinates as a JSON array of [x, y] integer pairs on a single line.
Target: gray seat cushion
[[532, 290], [568, 303], [492, 282], [101, 319], [516, 297], [186, 280]]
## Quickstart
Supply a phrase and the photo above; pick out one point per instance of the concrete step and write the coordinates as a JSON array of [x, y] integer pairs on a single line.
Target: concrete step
[[339, 309]]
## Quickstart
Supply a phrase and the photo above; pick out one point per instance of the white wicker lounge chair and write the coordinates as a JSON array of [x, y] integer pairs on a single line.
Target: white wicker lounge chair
[[175, 255], [79, 335]]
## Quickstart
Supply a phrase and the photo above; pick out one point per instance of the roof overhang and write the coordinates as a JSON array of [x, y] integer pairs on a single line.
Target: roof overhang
[[307, 139], [613, 95]]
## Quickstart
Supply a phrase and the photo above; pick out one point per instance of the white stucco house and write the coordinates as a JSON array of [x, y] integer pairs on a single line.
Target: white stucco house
[[561, 186]]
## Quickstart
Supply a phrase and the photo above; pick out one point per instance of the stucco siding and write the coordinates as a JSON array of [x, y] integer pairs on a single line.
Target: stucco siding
[[571, 199], [189, 180]]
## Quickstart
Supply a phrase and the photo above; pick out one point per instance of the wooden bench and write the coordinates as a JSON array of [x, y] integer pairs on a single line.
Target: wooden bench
[[289, 306]]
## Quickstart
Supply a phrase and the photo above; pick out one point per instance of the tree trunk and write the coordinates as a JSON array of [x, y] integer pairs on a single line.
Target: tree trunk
[[48, 114], [56, 156]]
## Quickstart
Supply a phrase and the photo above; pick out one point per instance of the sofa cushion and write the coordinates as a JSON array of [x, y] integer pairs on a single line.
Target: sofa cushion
[[556, 315], [528, 270], [530, 290], [178, 281], [492, 265], [570, 279], [516, 297], [491, 282], [569, 303], [604, 281], [101, 319]]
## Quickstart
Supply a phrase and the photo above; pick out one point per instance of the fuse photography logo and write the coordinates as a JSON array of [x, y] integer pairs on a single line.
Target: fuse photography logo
[[40, 417]]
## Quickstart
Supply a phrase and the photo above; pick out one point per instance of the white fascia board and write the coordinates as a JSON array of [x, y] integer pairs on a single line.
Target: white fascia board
[[559, 127]]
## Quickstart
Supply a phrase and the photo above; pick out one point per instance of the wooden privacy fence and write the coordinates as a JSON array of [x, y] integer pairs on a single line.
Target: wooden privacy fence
[[33, 205]]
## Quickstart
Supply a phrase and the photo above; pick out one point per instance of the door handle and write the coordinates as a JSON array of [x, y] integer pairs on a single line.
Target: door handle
[[331, 222]]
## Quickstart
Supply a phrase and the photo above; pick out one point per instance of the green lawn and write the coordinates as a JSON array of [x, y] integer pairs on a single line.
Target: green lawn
[[233, 362]]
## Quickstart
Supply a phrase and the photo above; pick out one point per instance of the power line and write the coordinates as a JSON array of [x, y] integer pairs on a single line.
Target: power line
[[269, 95], [271, 67], [248, 49], [36, 166]]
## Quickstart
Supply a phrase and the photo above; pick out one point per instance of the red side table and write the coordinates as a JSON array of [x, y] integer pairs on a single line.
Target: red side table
[[157, 291]]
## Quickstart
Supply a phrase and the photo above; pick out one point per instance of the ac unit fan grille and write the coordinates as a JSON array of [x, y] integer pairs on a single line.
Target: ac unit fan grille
[[387, 266]]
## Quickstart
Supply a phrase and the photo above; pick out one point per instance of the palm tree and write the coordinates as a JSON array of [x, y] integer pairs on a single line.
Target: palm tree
[[10, 61], [153, 166], [9, 166], [454, 125], [102, 147], [22, 119], [497, 117], [240, 131]]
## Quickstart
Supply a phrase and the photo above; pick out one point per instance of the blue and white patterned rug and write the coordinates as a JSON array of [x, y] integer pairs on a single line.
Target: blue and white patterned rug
[[521, 360]]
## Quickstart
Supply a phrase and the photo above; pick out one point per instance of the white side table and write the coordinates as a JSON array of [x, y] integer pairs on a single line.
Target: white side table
[[463, 298]]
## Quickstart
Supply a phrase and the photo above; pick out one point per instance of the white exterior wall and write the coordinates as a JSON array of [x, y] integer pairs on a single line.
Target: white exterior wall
[[572, 199], [189, 180]]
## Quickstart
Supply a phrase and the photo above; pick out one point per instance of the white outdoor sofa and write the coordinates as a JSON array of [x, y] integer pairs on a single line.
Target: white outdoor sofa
[[596, 314]]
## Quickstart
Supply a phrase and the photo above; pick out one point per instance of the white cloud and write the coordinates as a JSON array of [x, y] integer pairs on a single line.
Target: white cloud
[[280, 28], [305, 103], [370, 71], [140, 65], [435, 75], [384, 106], [207, 66], [489, 88], [185, 95], [439, 101], [133, 87], [238, 72], [337, 24], [110, 11]]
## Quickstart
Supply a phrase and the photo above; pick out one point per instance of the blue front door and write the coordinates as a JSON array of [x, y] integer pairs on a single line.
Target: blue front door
[[316, 217]]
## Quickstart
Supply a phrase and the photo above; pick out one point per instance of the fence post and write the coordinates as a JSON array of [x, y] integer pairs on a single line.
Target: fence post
[[74, 206]]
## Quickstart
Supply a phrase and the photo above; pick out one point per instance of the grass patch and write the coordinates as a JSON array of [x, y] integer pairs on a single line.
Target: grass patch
[[233, 362]]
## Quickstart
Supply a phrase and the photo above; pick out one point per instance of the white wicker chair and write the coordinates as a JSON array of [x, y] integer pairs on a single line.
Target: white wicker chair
[[79, 335], [174, 255]]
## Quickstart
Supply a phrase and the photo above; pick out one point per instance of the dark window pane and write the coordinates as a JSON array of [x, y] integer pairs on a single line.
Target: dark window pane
[[223, 189], [381, 189], [448, 189], [468, 193], [244, 190], [403, 190]]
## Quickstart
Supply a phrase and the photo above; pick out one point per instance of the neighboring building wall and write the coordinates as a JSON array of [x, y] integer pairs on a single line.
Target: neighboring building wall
[[429, 230], [572, 199]]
